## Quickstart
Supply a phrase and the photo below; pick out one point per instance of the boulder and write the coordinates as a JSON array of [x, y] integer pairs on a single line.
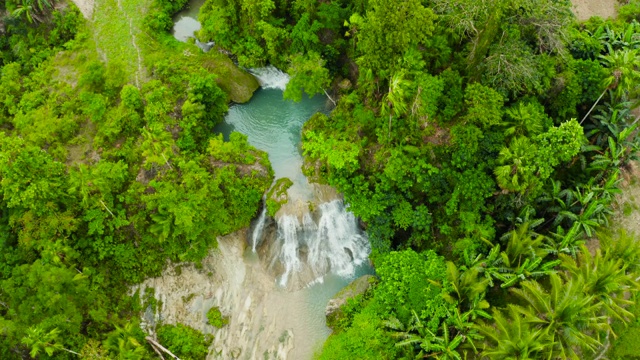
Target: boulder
[[236, 82], [359, 286]]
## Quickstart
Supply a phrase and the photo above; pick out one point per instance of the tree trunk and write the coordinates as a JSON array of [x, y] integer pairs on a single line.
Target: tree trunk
[[594, 105], [155, 343]]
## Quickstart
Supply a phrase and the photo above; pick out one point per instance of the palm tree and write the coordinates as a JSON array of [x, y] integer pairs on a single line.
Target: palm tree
[[624, 71], [609, 189], [156, 145], [466, 285], [523, 258], [608, 123], [565, 312], [514, 338], [523, 119], [122, 343], [33, 9], [623, 246], [565, 241], [605, 278]]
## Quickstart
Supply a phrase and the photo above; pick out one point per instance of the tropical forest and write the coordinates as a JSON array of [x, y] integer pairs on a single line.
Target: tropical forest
[[333, 179]]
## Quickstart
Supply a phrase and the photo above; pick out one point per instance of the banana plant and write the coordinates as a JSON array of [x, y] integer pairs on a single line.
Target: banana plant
[[523, 259], [429, 344]]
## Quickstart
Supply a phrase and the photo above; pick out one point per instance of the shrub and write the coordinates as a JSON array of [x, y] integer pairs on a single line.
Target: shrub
[[215, 317]]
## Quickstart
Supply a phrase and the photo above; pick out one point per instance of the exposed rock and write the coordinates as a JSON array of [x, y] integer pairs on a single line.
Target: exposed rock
[[359, 286], [584, 9], [86, 7], [265, 322]]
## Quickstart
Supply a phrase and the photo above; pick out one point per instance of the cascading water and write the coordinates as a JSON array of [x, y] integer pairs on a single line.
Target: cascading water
[[338, 245], [258, 229], [270, 319], [333, 243], [307, 244], [271, 77], [288, 229]]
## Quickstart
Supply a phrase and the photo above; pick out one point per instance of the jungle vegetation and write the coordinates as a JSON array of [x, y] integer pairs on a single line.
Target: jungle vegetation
[[481, 142]]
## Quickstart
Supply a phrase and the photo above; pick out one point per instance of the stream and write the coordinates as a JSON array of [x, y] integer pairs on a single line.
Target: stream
[[274, 279]]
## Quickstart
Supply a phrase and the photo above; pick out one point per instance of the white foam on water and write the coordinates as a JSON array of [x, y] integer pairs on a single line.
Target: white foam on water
[[270, 77], [335, 243], [288, 227], [256, 236]]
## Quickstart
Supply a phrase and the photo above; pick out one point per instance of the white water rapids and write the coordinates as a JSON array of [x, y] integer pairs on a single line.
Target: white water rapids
[[271, 77], [309, 245]]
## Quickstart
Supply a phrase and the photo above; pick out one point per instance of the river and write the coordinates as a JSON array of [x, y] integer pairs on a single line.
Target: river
[[274, 279]]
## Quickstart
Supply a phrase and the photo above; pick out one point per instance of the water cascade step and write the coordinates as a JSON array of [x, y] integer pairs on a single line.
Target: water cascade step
[[271, 77], [309, 245]]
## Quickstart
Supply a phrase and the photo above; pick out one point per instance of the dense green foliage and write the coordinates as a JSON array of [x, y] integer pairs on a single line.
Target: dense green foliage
[[481, 142], [491, 132], [184, 342], [102, 181]]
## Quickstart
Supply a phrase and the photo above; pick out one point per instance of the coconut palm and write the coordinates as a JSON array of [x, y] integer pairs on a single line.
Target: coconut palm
[[512, 337], [565, 241], [605, 278], [624, 75], [624, 71], [122, 344], [524, 119], [570, 317], [622, 246], [608, 123], [522, 259], [425, 341], [466, 285]]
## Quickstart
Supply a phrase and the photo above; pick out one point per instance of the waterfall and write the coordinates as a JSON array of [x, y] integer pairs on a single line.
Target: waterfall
[[288, 227], [270, 77], [334, 242], [338, 245], [256, 236]]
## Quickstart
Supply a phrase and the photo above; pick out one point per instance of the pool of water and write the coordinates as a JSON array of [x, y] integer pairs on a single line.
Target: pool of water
[[185, 23], [274, 125]]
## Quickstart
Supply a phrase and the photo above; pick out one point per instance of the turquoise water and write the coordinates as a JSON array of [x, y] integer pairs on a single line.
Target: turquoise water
[[274, 125]]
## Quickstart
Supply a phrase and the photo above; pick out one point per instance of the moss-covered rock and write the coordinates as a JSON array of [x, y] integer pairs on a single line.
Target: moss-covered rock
[[278, 196], [238, 83], [334, 310]]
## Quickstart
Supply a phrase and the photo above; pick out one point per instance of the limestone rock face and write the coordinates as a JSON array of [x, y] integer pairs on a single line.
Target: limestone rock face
[[359, 286]]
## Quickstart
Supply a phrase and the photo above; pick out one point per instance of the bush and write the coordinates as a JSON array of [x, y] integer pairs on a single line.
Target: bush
[[215, 317], [184, 341]]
